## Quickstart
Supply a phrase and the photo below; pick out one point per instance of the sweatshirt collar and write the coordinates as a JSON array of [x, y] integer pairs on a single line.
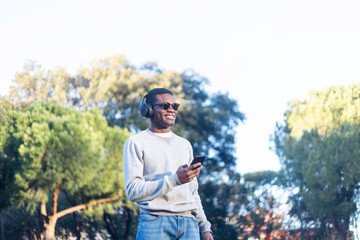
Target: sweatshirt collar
[[164, 135]]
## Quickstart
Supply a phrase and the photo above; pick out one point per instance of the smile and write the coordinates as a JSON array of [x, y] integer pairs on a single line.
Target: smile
[[170, 116]]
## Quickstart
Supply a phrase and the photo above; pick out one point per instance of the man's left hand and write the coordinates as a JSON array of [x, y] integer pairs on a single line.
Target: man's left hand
[[207, 236]]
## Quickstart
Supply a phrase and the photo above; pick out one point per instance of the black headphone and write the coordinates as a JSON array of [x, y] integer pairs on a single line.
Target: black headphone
[[146, 109]]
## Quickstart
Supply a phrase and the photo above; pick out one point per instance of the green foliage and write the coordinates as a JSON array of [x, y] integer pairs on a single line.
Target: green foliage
[[332, 173], [325, 110], [35, 85], [49, 144], [318, 147]]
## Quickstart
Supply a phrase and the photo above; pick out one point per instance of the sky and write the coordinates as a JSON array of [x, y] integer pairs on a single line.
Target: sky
[[262, 53]]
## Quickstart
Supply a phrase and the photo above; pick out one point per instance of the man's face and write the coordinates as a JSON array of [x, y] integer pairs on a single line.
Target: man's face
[[163, 119]]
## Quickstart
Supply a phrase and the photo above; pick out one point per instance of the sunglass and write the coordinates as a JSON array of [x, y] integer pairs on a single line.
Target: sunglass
[[166, 105]]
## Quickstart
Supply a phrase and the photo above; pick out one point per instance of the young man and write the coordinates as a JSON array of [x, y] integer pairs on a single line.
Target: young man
[[158, 175]]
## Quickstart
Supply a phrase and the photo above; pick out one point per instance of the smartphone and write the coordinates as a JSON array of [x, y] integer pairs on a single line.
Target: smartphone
[[198, 159]]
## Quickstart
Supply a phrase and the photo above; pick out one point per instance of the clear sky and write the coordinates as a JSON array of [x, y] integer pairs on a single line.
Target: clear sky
[[263, 53]]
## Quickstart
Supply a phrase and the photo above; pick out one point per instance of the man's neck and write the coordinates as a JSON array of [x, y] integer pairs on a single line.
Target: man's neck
[[159, 130]]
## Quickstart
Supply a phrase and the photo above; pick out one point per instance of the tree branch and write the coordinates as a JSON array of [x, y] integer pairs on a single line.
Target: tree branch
[[43, 209], [55, 198], [86, 205]]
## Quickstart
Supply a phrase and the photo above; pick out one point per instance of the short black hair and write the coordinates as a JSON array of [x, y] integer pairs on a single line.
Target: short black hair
[[151, 95]]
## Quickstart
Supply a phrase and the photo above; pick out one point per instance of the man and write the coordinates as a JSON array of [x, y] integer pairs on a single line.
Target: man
[[158, 175]]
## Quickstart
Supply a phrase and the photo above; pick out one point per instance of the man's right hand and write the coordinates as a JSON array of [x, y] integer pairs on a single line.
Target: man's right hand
[[187, 173]]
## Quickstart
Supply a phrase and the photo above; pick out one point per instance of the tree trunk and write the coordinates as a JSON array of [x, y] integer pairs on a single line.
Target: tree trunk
[[342, 229], [110, 227], [38, 223], [50, 228], [77, 231], [128, 218], [29, 234], [341, 236], [2, 219], [50, 221]]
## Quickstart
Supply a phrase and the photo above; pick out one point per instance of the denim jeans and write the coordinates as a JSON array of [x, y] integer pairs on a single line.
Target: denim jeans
[[155, 227]]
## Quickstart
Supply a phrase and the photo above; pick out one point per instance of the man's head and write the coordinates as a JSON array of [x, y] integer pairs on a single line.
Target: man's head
[[159, 105], [147, 103], [151, 96]]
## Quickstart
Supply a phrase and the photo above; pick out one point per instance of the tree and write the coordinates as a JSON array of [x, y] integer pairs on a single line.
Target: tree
[[35, 85], [318, 147], [116, 87], [49, 150]]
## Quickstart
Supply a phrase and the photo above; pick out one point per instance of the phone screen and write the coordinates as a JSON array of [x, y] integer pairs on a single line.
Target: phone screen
[[198, 159]]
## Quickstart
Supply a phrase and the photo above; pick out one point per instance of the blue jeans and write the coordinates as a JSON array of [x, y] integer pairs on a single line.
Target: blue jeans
[[155, 227]]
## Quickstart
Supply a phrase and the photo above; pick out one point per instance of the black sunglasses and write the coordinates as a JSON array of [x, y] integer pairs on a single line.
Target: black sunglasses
[[166, 105]]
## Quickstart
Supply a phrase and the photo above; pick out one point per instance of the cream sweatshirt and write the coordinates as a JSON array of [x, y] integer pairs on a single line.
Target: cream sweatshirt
[[150, 165]]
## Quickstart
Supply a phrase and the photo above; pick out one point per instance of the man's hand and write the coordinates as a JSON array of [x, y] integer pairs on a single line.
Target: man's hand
[[207, 236], [187, 173]]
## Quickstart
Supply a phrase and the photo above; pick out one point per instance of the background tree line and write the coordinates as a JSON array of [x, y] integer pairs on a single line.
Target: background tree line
[[61, 156]]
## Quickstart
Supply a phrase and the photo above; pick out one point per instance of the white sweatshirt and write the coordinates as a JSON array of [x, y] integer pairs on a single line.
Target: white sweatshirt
[[150, 165]]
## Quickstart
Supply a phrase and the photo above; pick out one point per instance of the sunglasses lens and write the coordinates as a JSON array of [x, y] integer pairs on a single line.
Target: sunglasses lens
[[166, 106], [175, 106]]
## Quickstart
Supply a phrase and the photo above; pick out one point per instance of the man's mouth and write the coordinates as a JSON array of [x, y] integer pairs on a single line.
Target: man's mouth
[[171, 117]]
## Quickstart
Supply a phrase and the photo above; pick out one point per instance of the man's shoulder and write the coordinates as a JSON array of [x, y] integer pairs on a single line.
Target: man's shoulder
[[139, 135]]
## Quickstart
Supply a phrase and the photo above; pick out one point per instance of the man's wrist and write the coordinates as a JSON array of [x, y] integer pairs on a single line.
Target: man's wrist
[[177, 179]]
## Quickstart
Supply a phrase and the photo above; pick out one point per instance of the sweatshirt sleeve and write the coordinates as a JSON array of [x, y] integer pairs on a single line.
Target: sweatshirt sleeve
[[136, 188], [204, 224]]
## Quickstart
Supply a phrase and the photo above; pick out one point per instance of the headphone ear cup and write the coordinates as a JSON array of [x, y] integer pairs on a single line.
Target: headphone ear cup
[[146, 109]]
